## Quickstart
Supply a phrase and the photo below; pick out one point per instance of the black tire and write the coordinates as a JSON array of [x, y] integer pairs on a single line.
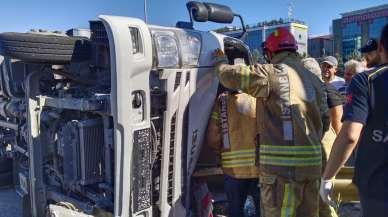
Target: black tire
[[6, 179], [38, 48], [5, 165]]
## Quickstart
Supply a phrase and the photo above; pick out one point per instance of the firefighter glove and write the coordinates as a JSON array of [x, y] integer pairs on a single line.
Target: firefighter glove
[[219, 56], [325, 191]]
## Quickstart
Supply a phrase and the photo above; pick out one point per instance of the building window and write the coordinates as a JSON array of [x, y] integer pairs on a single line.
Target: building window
[[376, 26], [351, 39]]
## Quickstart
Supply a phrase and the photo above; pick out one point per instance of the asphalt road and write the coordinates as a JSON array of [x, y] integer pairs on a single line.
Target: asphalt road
[[9, 203], [10, 206]]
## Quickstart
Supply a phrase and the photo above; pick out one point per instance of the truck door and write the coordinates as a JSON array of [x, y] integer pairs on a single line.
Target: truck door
[[131, 61]]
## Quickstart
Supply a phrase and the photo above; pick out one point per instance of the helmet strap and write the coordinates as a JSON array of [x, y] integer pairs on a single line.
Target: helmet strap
[[268, 55]]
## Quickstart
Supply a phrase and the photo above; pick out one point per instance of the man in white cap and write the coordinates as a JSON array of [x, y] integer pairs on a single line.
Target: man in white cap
[[329, 69]]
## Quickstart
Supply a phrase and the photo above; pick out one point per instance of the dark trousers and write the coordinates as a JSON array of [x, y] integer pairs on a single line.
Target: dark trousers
[[373, 208], [237, 191]]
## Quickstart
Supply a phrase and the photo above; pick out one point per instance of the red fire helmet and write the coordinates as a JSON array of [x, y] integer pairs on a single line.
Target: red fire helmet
[[280, 39]]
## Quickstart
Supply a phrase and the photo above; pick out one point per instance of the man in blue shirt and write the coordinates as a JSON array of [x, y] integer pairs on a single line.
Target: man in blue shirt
[[370, 53], [365, 122]]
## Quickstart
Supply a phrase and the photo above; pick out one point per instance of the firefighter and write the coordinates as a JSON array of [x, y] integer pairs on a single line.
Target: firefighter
[[292, 115], [365, 122], [232, 135]]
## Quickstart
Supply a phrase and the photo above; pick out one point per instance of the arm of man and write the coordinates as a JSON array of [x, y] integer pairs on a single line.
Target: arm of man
[[336, 115], [343, 146], [355, 117], [335, 102], [253, 80]]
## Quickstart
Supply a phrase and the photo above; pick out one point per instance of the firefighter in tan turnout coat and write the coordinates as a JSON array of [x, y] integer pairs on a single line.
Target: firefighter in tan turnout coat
[[232, 135], [292, 116]]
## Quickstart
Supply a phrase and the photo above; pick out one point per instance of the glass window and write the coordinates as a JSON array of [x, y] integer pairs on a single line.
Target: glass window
[[137, 46], [253, 39], [376, 26], [351, 30], [351, 39]]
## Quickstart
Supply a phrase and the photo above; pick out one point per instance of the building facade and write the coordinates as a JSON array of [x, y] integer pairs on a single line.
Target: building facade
[[354, 28], [257, 34], [320, 46]]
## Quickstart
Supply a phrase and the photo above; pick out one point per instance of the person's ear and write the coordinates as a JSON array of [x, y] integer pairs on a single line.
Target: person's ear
[[380, 48]]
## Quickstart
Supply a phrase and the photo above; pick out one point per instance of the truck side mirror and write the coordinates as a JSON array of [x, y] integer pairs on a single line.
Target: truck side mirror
[[202, 12], [198, 11], [219, 13]]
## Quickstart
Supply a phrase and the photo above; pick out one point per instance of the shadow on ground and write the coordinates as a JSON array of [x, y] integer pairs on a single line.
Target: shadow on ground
[[9, 203]]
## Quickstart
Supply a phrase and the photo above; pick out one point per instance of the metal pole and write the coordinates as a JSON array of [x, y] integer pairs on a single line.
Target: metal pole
[[145, 11]]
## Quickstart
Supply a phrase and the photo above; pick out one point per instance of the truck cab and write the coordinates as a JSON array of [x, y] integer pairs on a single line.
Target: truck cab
[[114, 124]]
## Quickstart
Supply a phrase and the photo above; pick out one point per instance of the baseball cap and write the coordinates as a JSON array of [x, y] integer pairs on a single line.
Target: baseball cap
[[330, 60], [371, 45]]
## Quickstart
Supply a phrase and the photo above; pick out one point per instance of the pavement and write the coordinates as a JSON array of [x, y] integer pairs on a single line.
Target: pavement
[[10, 206], [9, 203]]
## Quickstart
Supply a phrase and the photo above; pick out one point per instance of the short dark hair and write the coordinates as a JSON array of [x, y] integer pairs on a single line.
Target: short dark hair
[[384, 38]]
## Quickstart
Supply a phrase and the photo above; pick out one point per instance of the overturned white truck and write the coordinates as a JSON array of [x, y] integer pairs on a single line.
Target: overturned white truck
[[112, 125]]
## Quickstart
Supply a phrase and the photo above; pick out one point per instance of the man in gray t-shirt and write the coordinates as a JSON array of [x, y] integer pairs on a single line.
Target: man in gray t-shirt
[[329, 69]]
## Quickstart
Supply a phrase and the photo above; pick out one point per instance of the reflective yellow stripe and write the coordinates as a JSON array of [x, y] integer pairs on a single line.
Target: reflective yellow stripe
[[244, 151], [290, 150], [242, 81], [372, 74], [243, 155], [290, 146], [245, 77], [288, 205], [238, 163], [286, 196], [292, 208], [377, 71], [215, 116], [290, 161]]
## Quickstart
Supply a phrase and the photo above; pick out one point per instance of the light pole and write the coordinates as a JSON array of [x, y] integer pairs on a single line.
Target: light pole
[[145, 11]]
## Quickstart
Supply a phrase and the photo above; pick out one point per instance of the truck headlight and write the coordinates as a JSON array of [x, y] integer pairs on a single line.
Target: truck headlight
[[191, 47], [166, 49]]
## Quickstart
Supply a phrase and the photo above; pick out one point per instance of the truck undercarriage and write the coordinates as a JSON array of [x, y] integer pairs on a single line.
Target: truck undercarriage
[[111, 125], [93, 135]]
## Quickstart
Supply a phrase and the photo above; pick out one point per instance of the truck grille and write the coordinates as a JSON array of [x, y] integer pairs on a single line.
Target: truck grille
[[98, 32], [91, 151], [177, 83], [141, 168], [171, 161], [81, 143]]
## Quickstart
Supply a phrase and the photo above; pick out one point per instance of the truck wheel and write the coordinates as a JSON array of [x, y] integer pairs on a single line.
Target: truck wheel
[[39, 48], [6, 179], [5, 165]]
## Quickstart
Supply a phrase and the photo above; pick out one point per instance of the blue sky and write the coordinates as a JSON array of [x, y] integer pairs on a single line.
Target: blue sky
[[22, 15]]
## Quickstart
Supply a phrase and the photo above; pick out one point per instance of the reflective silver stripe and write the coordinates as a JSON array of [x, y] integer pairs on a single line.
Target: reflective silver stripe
[[290, 161], [284, 95], [224, 123]]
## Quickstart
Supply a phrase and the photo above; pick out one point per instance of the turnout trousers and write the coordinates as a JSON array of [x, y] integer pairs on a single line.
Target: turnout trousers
[[282, 197]]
